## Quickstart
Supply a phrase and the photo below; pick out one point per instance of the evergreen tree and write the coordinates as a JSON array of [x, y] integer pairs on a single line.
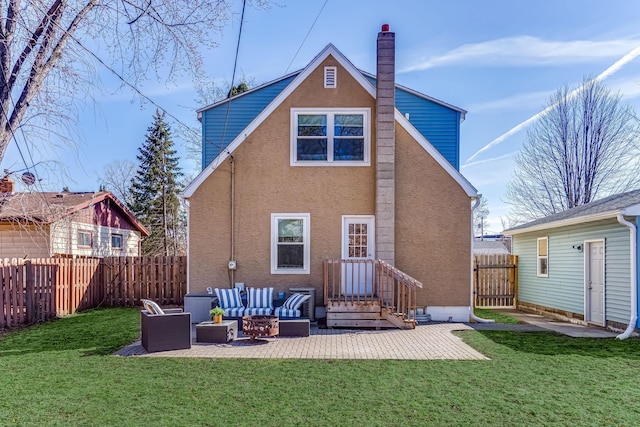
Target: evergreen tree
[[155, 191]]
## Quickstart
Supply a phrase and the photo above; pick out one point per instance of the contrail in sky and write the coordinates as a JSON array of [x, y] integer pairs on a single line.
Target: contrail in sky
[[606, 73]]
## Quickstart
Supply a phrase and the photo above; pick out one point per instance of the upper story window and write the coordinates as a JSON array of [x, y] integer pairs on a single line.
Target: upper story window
[[85, 239], [543, 257], [116, 241], [332, 137]]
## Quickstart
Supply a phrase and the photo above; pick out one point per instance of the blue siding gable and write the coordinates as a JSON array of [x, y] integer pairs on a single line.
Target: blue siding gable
[[439, 124], [242, 110]]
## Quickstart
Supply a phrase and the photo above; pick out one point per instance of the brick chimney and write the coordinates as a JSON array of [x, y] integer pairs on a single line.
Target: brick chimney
[[385, 145], [7, 185]]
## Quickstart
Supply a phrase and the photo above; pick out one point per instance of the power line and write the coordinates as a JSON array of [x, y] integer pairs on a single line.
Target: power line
[[13, 135], [131, 85], [233, 76], [305, 37]]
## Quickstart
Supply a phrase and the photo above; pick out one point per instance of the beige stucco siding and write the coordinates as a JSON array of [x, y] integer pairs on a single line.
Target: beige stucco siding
[[432, 210], [266, 184], [433, 226]]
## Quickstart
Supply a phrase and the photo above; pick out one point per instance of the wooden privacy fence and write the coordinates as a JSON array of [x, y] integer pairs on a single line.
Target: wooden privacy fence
[[37, 290], [129, 279], [495, 280]]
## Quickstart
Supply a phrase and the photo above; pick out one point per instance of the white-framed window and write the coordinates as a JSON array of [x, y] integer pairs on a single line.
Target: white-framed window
[[290, 244], [543, 257], [330, 137], [116, 241], [85, 238]]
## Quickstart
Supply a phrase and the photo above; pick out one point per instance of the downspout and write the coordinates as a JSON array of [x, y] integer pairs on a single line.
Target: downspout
[[472, 315], [232, 272], [188, 206], [633, 273]]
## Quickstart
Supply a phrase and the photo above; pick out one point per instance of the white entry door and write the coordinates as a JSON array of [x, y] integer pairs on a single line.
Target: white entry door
[[594, 282], [358, 243]]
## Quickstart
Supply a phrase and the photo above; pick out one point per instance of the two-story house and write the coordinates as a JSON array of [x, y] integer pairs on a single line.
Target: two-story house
[[339, 180]]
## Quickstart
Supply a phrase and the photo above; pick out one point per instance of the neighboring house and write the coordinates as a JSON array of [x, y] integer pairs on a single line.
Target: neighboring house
[[582, 263], [333, 163], [42, 225], [489, 247]]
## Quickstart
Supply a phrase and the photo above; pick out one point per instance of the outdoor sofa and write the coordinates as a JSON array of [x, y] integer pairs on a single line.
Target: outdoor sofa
[[261, 301]]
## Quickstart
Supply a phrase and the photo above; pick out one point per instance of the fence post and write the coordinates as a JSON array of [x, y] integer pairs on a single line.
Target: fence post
[[476, 276], [514, 261], [29, 291]]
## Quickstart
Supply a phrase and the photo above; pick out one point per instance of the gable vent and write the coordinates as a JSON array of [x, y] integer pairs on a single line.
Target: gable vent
[[330, 77]]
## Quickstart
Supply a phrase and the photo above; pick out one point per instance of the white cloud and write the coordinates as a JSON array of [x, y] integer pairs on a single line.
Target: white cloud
[[485, 161], [527, 51], [630, 56], [628, 88], [523, 100]]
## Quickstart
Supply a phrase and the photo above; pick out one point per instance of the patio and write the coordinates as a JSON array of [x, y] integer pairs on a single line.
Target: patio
[[431, 341]]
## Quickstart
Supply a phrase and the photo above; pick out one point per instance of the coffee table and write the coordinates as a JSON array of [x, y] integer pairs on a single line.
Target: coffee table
[[260, 326], [217, 332]]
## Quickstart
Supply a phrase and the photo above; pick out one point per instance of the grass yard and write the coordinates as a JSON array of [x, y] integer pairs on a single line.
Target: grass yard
[[62, 373], [497, 316]]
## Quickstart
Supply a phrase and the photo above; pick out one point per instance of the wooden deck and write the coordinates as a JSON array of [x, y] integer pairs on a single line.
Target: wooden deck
[[369, 294]]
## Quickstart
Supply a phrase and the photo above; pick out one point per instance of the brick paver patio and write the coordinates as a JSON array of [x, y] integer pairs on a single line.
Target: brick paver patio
[[430, 341]]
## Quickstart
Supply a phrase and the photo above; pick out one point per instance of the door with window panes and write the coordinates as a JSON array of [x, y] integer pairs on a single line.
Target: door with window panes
[[358, 244]]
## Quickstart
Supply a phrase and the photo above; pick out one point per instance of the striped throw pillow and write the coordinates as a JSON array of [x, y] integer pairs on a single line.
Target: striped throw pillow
[[260, 298], [229, 298], [295, 301]]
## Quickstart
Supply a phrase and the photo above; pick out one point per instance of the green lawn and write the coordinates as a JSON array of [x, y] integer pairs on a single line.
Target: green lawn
[[497, 316], [62, 373]]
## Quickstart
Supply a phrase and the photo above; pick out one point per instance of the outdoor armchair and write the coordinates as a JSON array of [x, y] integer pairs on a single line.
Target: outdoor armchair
[[164, 329]]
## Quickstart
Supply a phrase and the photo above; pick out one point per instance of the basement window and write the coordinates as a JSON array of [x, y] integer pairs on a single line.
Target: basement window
[[331, 137], [290, 243], [543, 257]]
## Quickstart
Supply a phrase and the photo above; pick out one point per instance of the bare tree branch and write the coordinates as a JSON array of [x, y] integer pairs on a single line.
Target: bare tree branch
[[46, 49], [583, 149]]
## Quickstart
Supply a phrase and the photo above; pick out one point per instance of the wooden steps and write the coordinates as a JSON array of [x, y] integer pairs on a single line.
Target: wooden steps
[[398, 319], [365, 314]]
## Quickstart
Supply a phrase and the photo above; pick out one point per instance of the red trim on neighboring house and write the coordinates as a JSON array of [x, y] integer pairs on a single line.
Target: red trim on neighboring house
[[127, 215], [48, 207], [106, 213]]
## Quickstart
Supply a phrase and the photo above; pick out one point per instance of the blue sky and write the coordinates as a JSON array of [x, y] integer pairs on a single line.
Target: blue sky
[[499, 60]]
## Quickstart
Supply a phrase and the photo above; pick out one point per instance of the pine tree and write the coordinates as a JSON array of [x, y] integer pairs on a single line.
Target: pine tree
[[155, 191]]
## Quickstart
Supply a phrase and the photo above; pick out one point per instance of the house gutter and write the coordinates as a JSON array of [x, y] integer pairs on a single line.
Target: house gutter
[[472, 315], [188, 206], [633, 273]]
